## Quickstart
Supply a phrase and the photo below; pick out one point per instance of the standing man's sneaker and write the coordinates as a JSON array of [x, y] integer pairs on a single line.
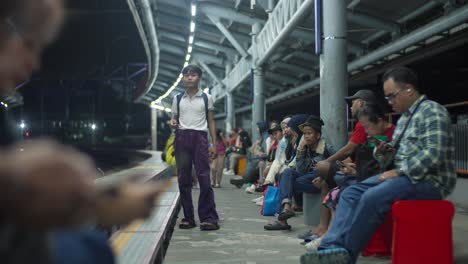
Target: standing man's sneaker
[[326, 256]]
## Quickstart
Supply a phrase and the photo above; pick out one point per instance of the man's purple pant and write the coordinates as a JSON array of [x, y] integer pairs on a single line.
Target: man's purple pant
[[191, 147]]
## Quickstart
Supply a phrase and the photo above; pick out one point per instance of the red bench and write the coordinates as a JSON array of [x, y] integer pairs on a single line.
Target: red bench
[[422, 233]]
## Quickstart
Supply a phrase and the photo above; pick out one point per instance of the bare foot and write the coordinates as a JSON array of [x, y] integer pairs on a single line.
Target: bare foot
[[319, 230]]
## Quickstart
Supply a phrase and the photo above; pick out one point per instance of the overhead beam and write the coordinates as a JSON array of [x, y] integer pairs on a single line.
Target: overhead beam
[[372, 21], [214, 46], [172, 36], [172, 49], [416, 13], [210, 72], [232, 14], [292, 67], [354, 3], [281, 78], [217, 22], [208, 59]]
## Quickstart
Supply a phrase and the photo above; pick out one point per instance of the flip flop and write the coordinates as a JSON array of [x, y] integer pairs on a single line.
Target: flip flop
[[184, 224], [277, 226]]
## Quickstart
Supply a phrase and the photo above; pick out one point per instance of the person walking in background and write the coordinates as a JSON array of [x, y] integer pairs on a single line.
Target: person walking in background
[[192, 116], [218, 159]]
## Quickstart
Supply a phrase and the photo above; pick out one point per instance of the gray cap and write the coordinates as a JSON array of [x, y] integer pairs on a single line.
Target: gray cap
[[366, 95]]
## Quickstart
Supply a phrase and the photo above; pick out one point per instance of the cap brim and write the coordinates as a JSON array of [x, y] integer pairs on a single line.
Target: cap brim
[[350, 98]]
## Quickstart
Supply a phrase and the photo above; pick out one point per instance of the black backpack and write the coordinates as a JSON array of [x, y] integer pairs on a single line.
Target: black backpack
[[366, 164]]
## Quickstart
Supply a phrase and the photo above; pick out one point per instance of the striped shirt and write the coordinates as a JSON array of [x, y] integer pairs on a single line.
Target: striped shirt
[[426, 151]]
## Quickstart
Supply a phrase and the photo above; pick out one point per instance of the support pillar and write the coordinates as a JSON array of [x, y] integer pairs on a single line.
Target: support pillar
[[258, 107], [333, 72], [154, 129], [230, 120]]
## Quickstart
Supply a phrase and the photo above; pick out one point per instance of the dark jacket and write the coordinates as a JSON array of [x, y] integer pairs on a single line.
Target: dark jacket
[[307, 159]]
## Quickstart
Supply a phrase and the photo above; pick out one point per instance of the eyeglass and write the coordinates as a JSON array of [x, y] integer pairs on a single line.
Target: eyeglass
[[392, 96]]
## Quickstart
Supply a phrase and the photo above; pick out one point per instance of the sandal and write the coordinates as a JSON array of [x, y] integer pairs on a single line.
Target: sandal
[[277, 226], [205, 226], [184, 224], [286, 214]]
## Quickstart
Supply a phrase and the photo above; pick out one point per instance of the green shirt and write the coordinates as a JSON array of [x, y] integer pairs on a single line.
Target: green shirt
[[426, 151]]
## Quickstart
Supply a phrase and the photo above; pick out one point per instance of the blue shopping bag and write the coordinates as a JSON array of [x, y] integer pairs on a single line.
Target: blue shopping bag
[[271, 202]]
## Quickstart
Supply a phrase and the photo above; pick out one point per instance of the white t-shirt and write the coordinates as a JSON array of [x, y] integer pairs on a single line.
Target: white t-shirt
[[192, 111]]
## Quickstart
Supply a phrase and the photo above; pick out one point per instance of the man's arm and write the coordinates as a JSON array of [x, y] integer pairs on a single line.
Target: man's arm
[[175, 115], [212, 128], [344, 152]]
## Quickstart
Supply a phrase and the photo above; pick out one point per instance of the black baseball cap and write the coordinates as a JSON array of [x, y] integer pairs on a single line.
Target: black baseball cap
[[366, 95], [274, 128], [312, 121]]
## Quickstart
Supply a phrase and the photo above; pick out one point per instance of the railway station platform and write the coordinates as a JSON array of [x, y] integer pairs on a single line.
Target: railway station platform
[[242, 239]]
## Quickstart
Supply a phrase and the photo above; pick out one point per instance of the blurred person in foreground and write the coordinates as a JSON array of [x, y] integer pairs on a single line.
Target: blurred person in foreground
[[45, 185]]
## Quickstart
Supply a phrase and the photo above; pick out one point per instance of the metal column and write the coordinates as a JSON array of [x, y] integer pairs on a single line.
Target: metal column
[[230, 120], [154, 129], [333, 72], [258, 107]]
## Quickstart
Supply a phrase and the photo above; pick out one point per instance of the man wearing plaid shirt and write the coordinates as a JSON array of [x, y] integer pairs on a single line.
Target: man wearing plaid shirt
[[424, 170]]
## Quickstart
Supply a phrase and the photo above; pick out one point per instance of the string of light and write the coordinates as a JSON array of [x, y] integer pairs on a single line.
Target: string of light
[[157, 103]]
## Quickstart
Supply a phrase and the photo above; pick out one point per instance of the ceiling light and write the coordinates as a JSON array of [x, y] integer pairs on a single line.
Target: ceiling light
[[192, 27], [194, 10], [190, 47], [190, 40]]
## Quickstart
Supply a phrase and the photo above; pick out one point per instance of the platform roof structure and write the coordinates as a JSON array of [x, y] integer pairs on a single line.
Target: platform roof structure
[[379, 33]]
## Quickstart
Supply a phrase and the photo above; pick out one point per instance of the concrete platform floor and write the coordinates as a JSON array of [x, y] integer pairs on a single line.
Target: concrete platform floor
[[242, 239]]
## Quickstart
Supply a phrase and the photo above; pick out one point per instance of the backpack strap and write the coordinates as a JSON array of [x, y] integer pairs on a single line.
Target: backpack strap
[[205, 99], [179, 98]]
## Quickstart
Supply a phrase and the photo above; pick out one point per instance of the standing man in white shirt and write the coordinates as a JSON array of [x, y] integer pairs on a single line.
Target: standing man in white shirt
[[192, 116]]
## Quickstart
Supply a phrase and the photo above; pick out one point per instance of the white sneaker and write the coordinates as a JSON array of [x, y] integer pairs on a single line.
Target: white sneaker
[[259, 203], [314, 244], [257, 199], [229, 172], [250, 189], [225, 170]]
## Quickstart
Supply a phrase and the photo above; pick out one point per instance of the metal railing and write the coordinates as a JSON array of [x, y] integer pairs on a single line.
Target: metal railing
[[461, 146], [285, 17]]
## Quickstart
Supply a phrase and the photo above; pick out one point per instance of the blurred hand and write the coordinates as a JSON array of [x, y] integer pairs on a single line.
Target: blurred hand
[[389, 175], [317, 182], [384, 147], [52, 185], [131, 201], [349, 168], [173, 123], [322, 168], [213, 151]]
